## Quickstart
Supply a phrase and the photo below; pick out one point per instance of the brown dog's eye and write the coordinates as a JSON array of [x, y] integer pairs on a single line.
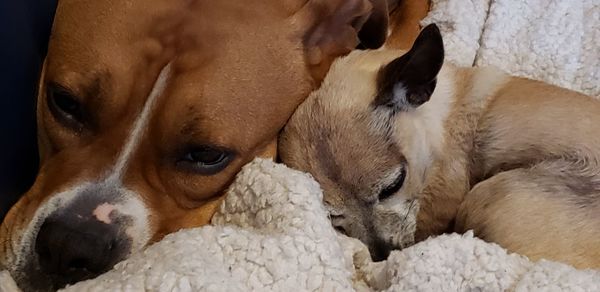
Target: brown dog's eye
[[205, 160], [394, 187], [64, 106]]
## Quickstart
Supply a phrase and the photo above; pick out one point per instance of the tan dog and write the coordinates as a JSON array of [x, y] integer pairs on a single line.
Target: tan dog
[[405, 148], [147, 110]]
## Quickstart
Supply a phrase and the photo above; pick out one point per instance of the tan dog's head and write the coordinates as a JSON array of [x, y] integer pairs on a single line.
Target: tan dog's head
[[148, 109], [368, 136]]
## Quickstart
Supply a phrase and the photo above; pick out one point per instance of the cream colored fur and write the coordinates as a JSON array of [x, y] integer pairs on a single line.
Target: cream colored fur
[[478, 123]]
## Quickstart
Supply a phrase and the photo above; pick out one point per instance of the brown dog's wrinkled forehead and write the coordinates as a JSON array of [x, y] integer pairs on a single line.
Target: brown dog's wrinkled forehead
[[219, 51]]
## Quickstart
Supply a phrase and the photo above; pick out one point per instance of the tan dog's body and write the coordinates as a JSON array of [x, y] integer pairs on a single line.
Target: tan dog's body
[[147, 110], [516, 160]]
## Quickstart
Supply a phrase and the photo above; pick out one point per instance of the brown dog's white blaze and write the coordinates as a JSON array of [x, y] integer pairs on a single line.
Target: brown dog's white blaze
[[108, 125], [368, 136]]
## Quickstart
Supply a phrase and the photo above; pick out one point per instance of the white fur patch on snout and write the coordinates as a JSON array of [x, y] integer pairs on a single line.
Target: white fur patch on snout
[[139, 230]]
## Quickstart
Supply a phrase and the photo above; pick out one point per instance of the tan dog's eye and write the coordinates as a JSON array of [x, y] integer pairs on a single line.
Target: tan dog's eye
[[64, 106], [205, 160], [394, 187]]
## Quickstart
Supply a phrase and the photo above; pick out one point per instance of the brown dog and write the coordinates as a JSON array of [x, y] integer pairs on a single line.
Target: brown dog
[[405, 148], [147, 110]]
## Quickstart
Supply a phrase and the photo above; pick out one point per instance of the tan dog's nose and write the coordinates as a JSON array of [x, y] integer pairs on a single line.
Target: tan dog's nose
[[73, 250], [377, 248]]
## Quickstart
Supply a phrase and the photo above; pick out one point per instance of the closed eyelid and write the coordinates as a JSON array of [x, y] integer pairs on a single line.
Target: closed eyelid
[[93, 87]]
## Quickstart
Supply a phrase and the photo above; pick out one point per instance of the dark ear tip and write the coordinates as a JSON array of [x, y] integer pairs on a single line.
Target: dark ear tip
[[431, 30], [430, 36], [372, 37], [432, 27], [373, 33]]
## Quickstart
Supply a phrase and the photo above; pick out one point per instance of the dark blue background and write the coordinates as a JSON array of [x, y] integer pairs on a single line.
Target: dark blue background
[[24, 29]]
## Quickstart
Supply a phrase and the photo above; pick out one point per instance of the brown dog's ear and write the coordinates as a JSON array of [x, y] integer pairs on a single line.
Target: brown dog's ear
[[334, 28], [373, 33]]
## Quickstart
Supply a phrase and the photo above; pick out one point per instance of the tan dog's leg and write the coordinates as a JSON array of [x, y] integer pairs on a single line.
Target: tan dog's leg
[[548, 211]]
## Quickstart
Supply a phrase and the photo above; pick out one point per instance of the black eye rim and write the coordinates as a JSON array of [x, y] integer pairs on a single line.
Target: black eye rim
[[391, 189], [186, 163], [72, 118]]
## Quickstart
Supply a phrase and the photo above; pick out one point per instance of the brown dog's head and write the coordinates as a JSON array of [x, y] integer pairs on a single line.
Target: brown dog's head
[[147, 110], [369, 136]]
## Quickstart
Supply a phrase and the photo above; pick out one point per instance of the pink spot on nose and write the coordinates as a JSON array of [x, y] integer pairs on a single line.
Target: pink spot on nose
[[102, 212]]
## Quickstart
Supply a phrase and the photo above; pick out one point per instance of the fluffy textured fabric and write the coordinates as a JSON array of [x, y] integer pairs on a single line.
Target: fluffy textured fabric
[[555, 41], [272, 233]]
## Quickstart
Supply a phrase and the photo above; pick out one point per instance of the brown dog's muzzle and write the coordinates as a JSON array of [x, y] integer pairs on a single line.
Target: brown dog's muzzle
[[74, 235]]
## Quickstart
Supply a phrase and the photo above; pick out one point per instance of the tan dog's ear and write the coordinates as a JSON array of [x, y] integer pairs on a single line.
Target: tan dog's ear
[[409, 81], [335, 26]]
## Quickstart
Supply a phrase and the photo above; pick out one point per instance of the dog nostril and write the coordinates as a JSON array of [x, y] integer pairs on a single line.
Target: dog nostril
[[340, 229], [337, 220]]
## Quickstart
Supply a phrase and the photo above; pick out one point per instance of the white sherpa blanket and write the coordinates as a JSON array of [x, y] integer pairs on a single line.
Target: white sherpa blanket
[[272, 232], [556, 41]]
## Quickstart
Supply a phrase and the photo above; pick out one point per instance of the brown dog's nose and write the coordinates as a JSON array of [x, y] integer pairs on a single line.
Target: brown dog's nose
[[72, 249]]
